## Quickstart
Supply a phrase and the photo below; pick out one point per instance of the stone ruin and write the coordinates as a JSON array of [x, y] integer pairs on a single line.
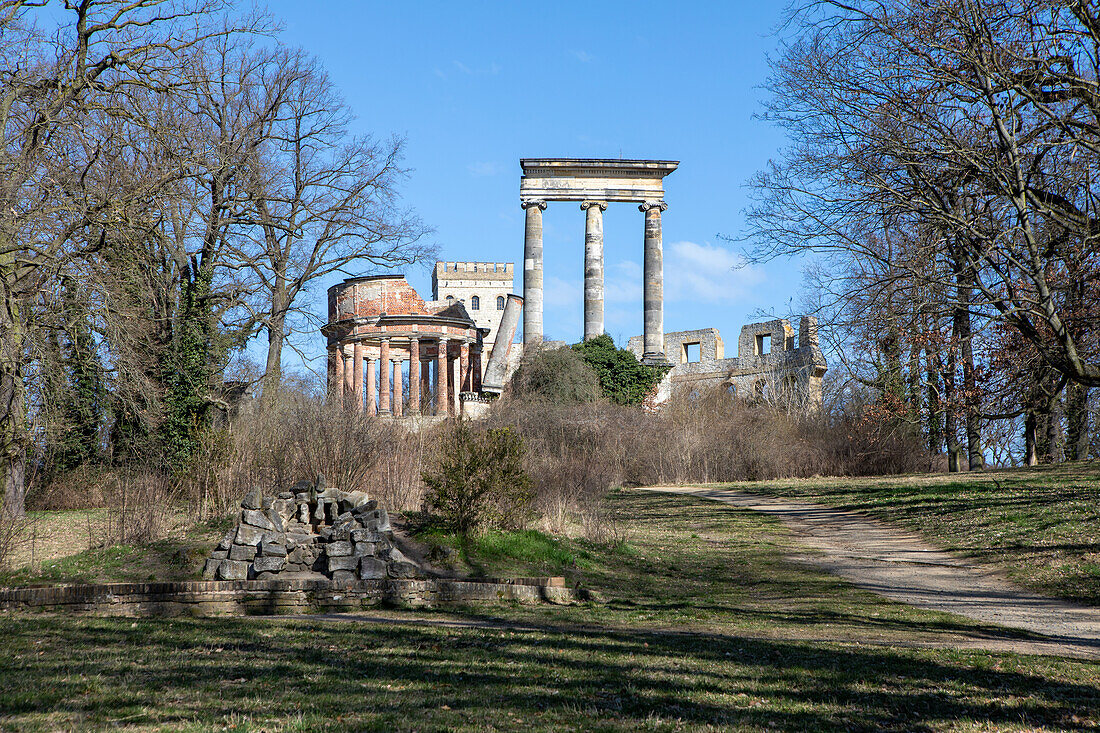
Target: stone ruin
[[310, 532]]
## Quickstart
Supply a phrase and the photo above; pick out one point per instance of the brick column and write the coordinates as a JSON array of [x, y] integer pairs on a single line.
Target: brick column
[[414, 376], [357, 376], [349, 379], [464, 366], [336, 374], [475, 368], [384, 378], [442, 402], [372, 387], [425, 380], [398, 388]]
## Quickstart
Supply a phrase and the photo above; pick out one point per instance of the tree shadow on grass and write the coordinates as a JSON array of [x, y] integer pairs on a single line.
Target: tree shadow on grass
[[346, 676]]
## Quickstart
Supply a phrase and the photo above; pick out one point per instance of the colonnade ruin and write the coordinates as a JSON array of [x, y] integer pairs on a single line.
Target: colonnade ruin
[[377, 323]]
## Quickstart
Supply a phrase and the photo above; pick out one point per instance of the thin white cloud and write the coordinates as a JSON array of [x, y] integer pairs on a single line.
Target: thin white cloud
[[483, 168], [462, 67], [560, 293], [583, 56], [706, 273]]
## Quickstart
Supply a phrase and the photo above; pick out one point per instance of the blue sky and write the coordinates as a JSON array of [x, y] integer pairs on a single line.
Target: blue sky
[[475, 86]]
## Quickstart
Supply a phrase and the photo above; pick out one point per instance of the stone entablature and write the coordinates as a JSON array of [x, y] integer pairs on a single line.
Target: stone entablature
[[600, 179], [769, 361]]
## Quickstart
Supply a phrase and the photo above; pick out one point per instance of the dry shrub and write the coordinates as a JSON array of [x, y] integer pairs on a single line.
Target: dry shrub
[[81, 488], [13, 531], [577, 452], [142, 505], [299, 436]]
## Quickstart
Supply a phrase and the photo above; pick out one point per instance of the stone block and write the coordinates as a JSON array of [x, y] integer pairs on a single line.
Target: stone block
[[371, 568], [345, 517], [341, 532], [395, 555], [338, 549], [242, 552], [272, 549], [383, 519], [247, 535], [269, 564], [297, 555], [365, 535], [285, 495], [227, 541], [325, 533], [403, 570], [298, 540], [366, 507], [210, 570], [233, 570], [343, 576], [252, 500], [275, 518], [364, 549], [267, 576], [220, 554], [257, 518], [342, 563]]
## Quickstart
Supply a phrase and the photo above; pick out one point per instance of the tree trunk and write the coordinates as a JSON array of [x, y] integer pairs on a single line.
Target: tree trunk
[[950, 418], [1077, 422], [276, 336], [13, 399], [1031, 448], [971, 399]]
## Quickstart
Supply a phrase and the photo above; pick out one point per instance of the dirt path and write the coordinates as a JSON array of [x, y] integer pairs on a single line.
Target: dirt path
[[903, 567]]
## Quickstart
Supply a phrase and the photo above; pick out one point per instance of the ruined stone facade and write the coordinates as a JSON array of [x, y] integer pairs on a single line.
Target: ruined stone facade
[[482, 288], [772, 362]]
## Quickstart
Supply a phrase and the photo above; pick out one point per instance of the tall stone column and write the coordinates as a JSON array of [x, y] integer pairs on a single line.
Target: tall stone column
[[532, 272], [442, 402], [464, 366], [475, 367], [357, 376], [372, 388], [384, 378], [349, 378], [593, 268], [398, 388], [414, 376], [653, 284], [336, 374]]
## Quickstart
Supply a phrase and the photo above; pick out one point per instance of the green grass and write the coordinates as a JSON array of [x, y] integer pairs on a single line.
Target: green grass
[[179, 557], [704, 627], [1041, 525], [498, 553]]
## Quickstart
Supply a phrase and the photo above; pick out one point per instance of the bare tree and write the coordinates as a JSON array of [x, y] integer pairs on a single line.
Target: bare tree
[[319, 199], [55, 69], [974, 121]]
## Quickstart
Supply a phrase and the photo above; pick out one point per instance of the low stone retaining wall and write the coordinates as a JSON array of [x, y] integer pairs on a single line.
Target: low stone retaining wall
[[266, 597]]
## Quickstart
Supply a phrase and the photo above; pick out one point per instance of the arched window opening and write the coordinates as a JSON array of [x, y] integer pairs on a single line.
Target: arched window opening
[[475, 303], [500, 302]]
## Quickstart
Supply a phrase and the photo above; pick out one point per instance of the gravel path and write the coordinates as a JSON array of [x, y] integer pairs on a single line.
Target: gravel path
[[903, 567]]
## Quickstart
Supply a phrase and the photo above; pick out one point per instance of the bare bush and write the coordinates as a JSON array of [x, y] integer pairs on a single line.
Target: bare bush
[[13, 530], [576, 453], [143, 505]]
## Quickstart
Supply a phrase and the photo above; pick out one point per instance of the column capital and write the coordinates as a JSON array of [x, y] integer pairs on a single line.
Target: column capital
[[647, 205], [527, 203], [384, 339], [602, 205]]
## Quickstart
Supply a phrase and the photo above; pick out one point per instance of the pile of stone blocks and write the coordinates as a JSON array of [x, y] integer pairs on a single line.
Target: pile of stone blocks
[[310, 532]]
